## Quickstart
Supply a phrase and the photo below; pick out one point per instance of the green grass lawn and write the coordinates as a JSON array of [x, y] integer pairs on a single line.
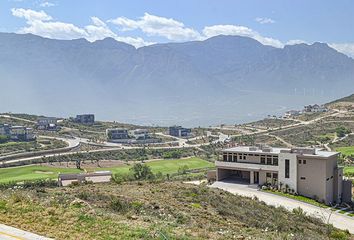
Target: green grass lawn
[[349, 171], [32, 172], [35, 172], [346, 150], [166, 166]]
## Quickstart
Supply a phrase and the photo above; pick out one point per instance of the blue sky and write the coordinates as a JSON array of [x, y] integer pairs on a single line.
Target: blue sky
[[143, 22]]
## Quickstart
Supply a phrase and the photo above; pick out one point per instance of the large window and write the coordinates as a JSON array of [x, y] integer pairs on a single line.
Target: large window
[[275, 161], [262, 160], [269, 160], [287, 168]]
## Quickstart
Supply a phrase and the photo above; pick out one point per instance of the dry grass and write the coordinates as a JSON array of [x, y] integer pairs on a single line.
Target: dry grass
[[168, 210]]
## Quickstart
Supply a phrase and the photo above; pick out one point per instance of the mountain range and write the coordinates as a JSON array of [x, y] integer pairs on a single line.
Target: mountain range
[[224, 79]]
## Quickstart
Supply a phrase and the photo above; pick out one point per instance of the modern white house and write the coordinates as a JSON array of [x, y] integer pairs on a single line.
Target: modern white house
[[306, 171], [47, 123]]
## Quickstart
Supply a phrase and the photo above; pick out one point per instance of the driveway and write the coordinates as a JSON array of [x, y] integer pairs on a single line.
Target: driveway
[[338, 220], [10, 233]]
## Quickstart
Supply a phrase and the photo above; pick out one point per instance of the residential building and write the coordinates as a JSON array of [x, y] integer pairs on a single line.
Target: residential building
[[178, 131], [21, 133], [5, 129], [139, 134], [96, 177], [307, 171], [117, 134], [47, 123], [292, 113], [86, 119], [315, 108]]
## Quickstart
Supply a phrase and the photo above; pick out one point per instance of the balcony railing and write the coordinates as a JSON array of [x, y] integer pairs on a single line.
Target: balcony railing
[[250, 166]]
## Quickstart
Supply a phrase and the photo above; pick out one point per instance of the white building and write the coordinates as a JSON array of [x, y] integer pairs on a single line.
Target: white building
[[309, 172]]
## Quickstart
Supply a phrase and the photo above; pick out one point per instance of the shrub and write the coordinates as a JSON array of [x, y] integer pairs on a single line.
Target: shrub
[[142, 172], [299, 211], [3, 206], [119, 205], [183, 169], [337, 234], [342, 131]]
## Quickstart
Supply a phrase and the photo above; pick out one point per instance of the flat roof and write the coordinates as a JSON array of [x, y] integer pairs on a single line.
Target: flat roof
[[274, 150]]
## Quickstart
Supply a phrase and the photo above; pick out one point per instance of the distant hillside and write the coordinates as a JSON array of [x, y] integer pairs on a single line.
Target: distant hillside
[[224, 79], [345, 103], [349, 99]]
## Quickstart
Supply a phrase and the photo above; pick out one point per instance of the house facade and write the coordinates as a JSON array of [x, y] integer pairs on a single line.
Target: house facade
[[17, 133], [117, 134], [5, 129], [86, 119], [307, 171], [178, 131], [47, 123], [21, 133]]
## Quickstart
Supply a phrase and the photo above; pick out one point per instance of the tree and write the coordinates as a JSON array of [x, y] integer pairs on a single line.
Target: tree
[[183, 169], [342, 131], [3, 139], [141, 172], [78, 163]]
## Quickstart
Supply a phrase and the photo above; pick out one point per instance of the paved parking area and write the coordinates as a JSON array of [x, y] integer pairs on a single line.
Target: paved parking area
[[338, 220]]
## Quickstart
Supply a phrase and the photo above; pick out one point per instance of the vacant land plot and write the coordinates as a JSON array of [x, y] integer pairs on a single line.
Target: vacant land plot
[[43, 172], [347, 142], [168, 210], [313, 133], [38, 145], [271, 123]]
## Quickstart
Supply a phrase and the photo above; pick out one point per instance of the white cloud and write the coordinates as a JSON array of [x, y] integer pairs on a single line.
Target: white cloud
[[47, 4], [264, 20], [295, 41], [211, 31], [346, 48], [30, 15], [39, 23], [158, 26]]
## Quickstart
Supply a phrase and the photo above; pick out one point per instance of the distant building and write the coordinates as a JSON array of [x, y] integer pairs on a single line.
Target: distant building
[[178, 131], [117, 134], [315, 108], [86, 119], [21, 133], [47, 123], [96, 177], [139, 134], [307, 171], [292, 113], [5, 129], [136, 136]]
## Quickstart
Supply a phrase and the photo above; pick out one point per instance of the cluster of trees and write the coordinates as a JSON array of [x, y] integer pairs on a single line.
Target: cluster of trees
[[342, 131], [4, 139]]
